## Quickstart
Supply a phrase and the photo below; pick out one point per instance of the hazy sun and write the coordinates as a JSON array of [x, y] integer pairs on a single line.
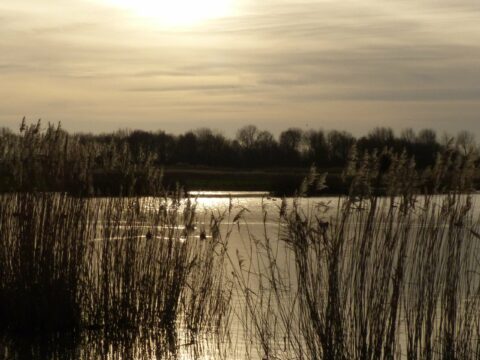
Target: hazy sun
[[178, 12]]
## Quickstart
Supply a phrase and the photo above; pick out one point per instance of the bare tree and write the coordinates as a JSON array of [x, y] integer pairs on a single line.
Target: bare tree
[[465, 142], [247, 136]]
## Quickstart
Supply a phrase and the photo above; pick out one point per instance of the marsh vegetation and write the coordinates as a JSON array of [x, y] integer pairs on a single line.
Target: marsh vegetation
[[368, 277], [390, 270], [116, 268]]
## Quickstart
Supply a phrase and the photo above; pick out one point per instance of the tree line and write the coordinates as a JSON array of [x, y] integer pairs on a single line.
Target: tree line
[[48, 157], [294, 147]]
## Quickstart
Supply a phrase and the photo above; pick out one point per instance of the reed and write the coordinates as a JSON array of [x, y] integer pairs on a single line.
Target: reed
[[43, 242], [372, 277], [114, 266], [50, 159]]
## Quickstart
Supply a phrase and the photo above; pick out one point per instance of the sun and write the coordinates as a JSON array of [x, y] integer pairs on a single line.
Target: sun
[[178, 12]]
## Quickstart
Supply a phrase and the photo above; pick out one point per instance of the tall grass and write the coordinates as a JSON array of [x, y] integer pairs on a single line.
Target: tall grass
[[50, 159], [115, 266], [374, 277], [43, 244]]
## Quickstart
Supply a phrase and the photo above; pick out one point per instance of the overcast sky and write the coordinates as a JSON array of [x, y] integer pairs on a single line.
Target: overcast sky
[[349, 65]]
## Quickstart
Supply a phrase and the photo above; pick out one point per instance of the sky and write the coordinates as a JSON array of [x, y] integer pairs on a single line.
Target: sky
[[100, 65]]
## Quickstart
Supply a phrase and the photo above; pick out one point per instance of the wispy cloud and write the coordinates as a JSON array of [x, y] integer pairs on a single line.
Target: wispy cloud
[[202, 88]]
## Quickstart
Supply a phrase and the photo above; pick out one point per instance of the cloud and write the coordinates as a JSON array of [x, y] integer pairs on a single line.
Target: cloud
[[275, 60], [189, 88]]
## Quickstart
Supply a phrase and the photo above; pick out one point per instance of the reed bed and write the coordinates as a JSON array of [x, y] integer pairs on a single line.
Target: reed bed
[[394, 277], [155, 346], [116, 267], [48, 159]]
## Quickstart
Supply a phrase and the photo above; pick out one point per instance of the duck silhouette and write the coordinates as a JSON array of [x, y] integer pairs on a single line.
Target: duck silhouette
[[149, 235]]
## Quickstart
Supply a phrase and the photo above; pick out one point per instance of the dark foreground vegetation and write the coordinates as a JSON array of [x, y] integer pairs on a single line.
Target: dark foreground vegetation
[[139, 162], [109, 269]]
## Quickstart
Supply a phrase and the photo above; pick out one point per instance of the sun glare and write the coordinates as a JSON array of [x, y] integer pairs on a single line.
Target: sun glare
[[178, 12]]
